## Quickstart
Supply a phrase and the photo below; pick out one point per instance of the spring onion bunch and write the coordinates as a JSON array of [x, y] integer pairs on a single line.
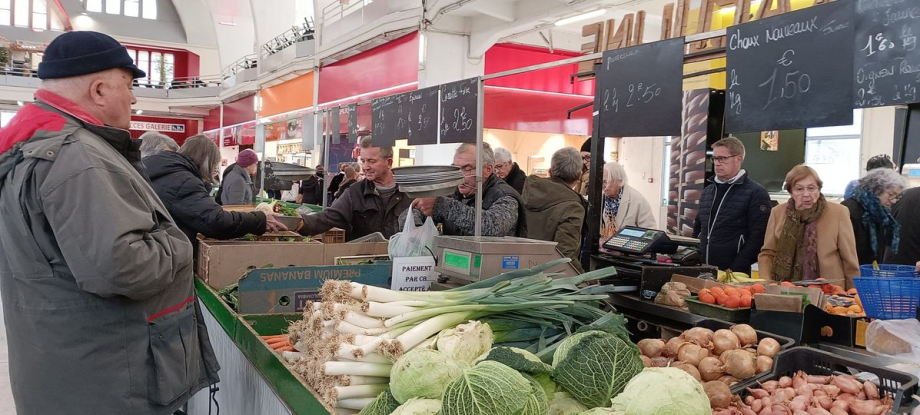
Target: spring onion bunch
[[348, 342]]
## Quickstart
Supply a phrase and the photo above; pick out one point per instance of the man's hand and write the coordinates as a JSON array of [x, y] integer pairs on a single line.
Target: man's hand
[[273, 225], [424, 205]]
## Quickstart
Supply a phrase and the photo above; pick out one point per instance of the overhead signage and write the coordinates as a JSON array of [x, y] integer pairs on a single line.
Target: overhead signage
[[791, 71], [641, 90], [459, 111], [887, 64], [157, 126]]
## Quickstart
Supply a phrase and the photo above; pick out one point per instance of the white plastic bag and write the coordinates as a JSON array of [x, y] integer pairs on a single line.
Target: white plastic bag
[[413, 240], [897, 339]]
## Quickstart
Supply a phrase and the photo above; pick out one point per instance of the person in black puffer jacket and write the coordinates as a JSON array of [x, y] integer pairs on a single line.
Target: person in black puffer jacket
[[178, 180], [733, 212]]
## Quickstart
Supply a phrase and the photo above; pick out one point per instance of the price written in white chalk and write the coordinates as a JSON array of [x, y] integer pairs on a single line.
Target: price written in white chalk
[[792, 83], [637, 94]]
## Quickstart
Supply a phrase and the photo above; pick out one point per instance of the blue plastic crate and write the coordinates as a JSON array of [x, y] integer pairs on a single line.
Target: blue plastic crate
[[891, 292]]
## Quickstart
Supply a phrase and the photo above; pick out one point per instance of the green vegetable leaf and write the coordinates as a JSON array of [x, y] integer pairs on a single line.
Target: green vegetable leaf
[[383, 405], [489, 388], [518, 359], [537, 402], [663, 391], [423, 373], [594, 366]]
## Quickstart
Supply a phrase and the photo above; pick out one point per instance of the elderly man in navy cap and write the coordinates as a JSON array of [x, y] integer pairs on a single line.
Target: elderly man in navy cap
[[96, 278]]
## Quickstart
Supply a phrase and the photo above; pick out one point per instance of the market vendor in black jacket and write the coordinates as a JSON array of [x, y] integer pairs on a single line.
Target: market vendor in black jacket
[[370, 205], [508, 170], [502, 206], [733, 212], [183, 182]]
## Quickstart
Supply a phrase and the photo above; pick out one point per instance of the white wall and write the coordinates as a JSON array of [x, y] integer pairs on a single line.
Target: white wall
[[878, 134], [642, 159], [274, 20]]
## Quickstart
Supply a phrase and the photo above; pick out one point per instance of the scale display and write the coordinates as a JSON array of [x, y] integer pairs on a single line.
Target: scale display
[[634, 240]]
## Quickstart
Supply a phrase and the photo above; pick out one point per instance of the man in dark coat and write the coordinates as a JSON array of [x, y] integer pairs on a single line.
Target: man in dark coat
[[734, 211], [502, 207], [97, 279], [555, 212], [370, 205], [903, 211], [508, 170]]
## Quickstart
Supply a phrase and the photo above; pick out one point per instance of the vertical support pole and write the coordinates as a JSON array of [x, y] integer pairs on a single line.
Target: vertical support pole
[[327, 141], [595, 184], [479, 111]]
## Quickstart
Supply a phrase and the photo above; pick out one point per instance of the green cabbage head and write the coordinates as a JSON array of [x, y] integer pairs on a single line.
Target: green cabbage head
[[489, 388], [663, 391], [594, 366], [418, 406], [384, 404], [423, 373], [465, 342]]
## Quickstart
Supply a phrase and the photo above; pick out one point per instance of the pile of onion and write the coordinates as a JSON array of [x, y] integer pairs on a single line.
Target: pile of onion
[[727, 355], [805, 394]]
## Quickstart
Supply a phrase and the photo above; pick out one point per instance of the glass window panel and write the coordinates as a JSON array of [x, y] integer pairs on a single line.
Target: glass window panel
[[39, 21], [150, 9], [131, 8], [113, 6], [5, 4], [21, 13], [156, 68], [169, 67], [56, 23], [143, 62], [6, 117], [133, 54], [836, 160], [4, 17], [94, 5], [854, 129]]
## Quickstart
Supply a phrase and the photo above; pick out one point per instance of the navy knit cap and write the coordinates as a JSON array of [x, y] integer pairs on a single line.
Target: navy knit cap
[[81, 53]]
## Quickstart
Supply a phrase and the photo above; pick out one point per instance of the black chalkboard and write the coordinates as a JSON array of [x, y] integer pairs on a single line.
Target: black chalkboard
[[641, 90], [459, 109], [352, 123], [791, 71], [336, 125], [887, 64], [400, 113], [383, 125], [422, 116]]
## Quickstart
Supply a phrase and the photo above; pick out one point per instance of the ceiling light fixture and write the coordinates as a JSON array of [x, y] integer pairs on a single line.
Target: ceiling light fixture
[[19, 103], [580, 17], [226, 23], [139, 112]]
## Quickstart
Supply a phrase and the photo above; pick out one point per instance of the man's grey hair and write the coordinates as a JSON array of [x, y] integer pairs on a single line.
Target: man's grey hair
[[879, 181], [386, 152], [153, 142], [733, 144], [566, 165], [614, 172], [488, 157], [502, 155]]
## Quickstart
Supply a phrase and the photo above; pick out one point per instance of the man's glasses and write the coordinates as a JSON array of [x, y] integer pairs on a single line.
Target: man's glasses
[[722, 160]]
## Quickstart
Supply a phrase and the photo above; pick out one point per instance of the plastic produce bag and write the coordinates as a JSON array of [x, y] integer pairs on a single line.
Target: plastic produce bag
[[897, 339], [673, 294], [414, 240]]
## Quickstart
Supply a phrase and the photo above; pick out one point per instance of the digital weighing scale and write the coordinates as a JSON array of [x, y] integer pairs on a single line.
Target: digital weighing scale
[[468, 259]]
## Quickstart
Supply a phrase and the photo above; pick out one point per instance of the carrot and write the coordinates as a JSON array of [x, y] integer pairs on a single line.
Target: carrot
[[286, 349], [276, 336], [280, 339]]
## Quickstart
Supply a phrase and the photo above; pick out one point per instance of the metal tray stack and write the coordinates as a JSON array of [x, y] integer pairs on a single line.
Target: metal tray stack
[[427, 181]]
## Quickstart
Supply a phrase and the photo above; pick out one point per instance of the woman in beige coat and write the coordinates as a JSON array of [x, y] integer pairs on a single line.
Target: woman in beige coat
[[623, 205], [808, 237]]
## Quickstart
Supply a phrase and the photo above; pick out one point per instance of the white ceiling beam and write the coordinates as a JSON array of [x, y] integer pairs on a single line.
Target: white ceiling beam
[[501, 10]]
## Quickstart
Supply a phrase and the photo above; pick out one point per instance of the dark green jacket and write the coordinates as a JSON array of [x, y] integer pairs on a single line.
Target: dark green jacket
[[555, 212]]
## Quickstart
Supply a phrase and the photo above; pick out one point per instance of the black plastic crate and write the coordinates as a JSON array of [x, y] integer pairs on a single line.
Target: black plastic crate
[[898, 385], [784, 343]]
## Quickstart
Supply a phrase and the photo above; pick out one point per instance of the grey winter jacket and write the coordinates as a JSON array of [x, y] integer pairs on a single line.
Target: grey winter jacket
[[237, 188], [97, 285]]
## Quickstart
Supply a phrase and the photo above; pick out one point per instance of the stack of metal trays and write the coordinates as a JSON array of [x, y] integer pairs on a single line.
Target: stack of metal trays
[[288, 171], [427, 181]]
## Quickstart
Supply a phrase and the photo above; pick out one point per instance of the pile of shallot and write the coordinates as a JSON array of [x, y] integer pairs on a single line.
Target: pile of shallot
[[805, 394], [729, 356]]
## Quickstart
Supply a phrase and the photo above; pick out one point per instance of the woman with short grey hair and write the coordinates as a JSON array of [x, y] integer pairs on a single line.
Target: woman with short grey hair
[[623, 205], [875, 228], [153, 142]]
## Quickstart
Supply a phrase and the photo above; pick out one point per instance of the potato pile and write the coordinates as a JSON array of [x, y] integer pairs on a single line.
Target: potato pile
[[805, 394], [728, 356]]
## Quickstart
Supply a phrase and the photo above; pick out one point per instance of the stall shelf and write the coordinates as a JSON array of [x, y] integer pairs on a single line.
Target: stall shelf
[[242, 332]]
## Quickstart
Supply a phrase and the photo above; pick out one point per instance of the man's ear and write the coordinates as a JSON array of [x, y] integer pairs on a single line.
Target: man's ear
[[97, 91], [390, 161]]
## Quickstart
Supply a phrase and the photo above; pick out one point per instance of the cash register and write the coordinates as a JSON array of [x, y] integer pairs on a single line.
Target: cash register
[[647, 258]]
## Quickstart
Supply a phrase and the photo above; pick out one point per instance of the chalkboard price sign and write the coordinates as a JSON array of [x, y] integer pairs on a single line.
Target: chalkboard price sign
[[400, 107], [352, 123], [887, 64], [459, 109], [791, 71], [383, 114], [421, 120], [336, 125], [641, 89]]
